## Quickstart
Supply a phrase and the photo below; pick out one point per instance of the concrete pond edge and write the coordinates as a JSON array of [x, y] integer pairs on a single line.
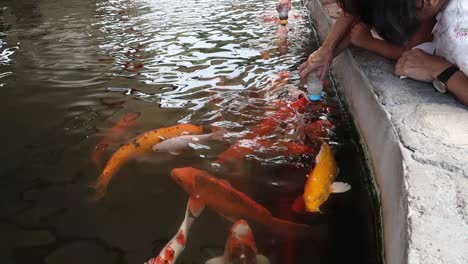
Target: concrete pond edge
[[420, 168]]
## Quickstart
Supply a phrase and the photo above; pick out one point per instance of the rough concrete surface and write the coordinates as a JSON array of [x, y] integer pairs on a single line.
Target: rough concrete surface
[[417, 142]]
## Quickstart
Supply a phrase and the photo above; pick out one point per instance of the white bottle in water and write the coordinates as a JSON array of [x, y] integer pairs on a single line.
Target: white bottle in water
[[314, 87]]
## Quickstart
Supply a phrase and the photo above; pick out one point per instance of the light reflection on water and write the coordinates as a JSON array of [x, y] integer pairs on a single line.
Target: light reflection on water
[[69, 70]]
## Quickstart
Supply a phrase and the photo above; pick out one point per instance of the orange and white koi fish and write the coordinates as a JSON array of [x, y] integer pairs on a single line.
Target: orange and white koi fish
[[240, 247], [115, 132], [230, 202], [176, 245], [139, 145], [320, 183], [177, 145]]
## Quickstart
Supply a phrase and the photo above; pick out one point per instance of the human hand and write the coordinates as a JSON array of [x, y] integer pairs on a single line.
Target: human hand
[[319, 62], [360, 35], [420, 66]]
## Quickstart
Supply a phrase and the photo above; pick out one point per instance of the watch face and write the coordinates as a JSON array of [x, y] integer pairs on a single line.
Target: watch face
[[440, 86]]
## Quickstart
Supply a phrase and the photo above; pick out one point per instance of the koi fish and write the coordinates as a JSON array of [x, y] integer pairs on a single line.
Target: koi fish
[[240, 247], [230, 202], [320, 183], [176, 245], [176, 145], [319, 128], [250, 146], [265, 127], [141, 144], [116, 131]]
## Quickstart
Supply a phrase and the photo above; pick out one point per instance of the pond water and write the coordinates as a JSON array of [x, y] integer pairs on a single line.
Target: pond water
[[71, 70]]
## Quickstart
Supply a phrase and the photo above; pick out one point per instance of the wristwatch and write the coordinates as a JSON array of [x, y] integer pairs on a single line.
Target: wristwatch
[[440, 84]]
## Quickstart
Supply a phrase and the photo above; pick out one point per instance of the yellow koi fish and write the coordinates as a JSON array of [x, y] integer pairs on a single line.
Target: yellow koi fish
[[321, 182]]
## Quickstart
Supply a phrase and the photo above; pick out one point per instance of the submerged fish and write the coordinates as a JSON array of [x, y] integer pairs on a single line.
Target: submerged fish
[[176, 245], [230, 202], [240, 247], [141, 144], [177, 145], [264, 128], [116, 131], [320, 183]]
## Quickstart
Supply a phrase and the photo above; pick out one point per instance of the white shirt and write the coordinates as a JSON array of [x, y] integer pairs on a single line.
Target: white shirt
[[451, 33]]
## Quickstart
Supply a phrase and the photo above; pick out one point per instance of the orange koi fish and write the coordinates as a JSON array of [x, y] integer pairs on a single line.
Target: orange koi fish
[[264, 128], [319, 128], [240, 247], [176, 245], [115, 132], [230, 202], [141, 144], [320, 183], [250, 146]]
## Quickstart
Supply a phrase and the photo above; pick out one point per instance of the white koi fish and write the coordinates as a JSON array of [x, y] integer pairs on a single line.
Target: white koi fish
[[177, 145]]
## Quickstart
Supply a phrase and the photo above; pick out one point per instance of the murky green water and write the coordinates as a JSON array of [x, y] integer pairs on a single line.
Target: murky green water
[[69, 70]]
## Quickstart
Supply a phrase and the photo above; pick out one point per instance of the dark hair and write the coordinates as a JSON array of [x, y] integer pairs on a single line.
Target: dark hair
[[394, 20]]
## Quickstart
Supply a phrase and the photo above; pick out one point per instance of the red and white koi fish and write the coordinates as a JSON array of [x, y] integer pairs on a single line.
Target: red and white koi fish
[[230, 202], [177, 145], [240, 247], [176, 245]]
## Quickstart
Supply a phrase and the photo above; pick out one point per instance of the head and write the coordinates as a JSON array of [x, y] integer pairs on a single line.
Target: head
[[185, 178], [314, 200], [394, 20], [240, 247], [428, 9]]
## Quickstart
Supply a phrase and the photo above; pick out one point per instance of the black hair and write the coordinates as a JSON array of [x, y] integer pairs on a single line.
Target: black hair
[[394, 20]]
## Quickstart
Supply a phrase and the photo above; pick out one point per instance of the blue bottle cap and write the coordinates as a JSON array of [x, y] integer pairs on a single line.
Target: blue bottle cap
[[314, 97]]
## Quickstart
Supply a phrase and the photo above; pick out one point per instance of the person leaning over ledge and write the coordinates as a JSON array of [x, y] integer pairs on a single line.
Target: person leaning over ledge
[[448, 68], [403, 25]]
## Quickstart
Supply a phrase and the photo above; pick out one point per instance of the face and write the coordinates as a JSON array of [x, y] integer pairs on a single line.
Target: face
[[428, 9], [185, 178]]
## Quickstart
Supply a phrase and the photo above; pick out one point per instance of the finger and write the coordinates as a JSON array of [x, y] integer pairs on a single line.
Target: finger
[[324, 73], [303, 65]]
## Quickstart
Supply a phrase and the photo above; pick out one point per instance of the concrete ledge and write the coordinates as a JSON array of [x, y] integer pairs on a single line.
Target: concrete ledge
[[417, 144]]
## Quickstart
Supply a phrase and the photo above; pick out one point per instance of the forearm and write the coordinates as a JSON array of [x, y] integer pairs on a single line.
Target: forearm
[[385, 49], [339, 31], [458, 86]]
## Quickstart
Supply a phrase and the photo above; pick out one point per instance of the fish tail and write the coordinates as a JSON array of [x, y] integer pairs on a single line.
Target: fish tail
[[287, 228], [111, 168]]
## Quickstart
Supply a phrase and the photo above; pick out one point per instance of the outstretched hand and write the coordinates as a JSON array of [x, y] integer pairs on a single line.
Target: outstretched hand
[[318, 62]]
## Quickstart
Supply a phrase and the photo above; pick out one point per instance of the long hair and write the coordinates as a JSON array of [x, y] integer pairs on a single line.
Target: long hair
[[394, 20]]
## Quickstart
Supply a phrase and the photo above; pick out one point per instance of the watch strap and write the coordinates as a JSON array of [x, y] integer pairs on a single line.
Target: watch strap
[[445, 75]]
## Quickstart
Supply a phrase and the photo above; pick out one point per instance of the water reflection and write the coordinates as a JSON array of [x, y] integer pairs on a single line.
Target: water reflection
[[70, 71]]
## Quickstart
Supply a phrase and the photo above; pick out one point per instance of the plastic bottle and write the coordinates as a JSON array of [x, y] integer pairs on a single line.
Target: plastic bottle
[[283, 7], [314, 87]]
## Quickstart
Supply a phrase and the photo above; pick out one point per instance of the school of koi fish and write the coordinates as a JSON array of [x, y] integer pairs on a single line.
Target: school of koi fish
[[206, 190]]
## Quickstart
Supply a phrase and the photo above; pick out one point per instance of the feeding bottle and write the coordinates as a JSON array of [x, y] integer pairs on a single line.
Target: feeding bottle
[[314, 87], [283, 7]]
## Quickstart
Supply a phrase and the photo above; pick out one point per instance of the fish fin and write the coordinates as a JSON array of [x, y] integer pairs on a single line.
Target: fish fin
[[298, 205], [262, 260], [174, 153], [217, 260], [340, 187], [229, 218]]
